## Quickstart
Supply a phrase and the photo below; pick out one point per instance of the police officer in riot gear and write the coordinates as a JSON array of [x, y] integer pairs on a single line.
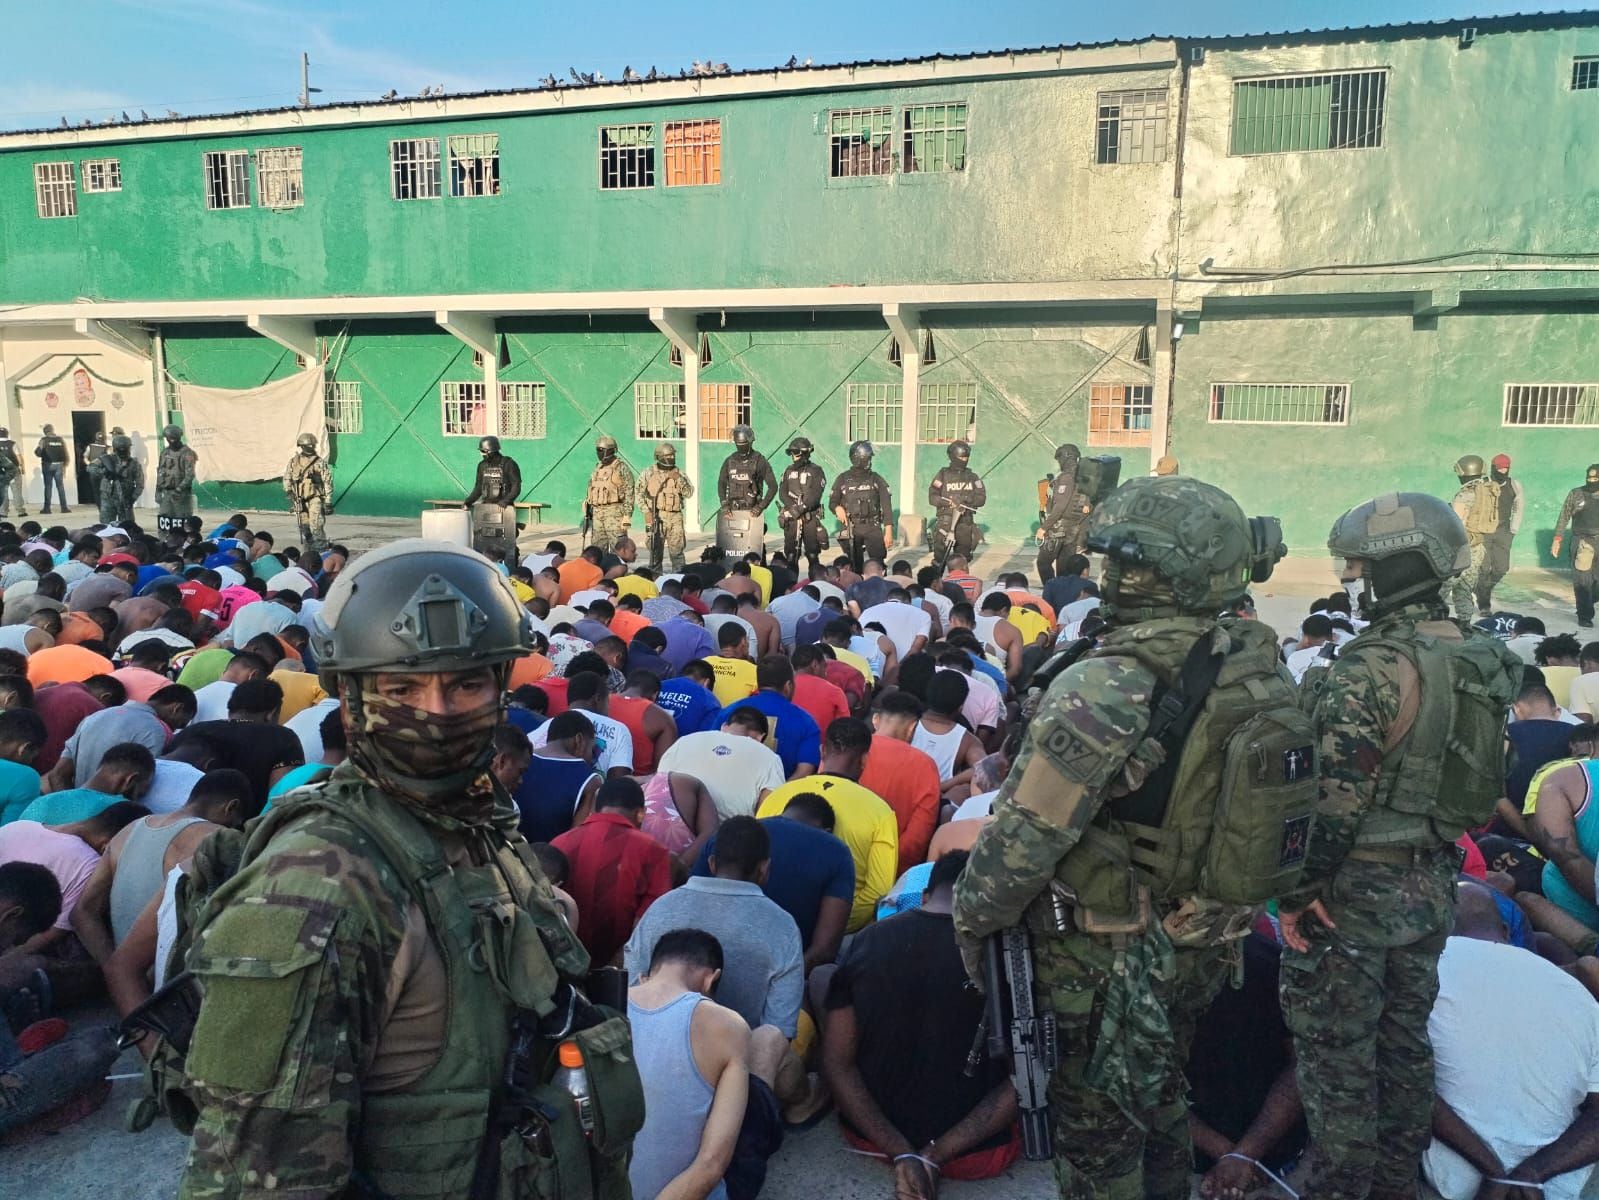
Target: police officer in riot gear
[[744, 489], [861, 501], [11, 486], [408, 853], [799, 497], [492, 501], [956, 493]]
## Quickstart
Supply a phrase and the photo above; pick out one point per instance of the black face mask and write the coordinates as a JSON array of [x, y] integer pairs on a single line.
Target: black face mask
[[1498, 475]]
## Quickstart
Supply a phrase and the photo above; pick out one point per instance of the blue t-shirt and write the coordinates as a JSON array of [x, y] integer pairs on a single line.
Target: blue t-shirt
[[799, 738], [63, 808], [989, 669], [298, 777], [808, 865], [19, 787], [693, 706], [524, 719], [548, 795]]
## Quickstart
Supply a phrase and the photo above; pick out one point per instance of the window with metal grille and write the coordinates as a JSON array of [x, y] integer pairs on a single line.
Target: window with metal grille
[[1309, 112], [722, 406], [948, 413], [860, 142], [1585, 72], [627, 156], [659, 410], [1120, 414], [933, 138], [341, 406], [1280, 403], [1551, 404], [414, 168], [474, 164], [102, 175], [280, 177], [875, 412], [1132, 127], [55, 189], [227, 178], [693, 153], [522, 410], [466, 409]]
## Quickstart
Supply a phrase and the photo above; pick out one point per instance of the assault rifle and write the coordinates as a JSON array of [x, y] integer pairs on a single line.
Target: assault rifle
[[586, 529], [1019, 1034], [657, 536]]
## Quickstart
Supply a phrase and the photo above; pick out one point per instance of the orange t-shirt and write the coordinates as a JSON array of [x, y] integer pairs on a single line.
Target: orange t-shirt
[[65, 664], [630, 711], [626, 625], [530, 668], [577, 574], [77, 627], [825, 701], [1022, 599], [907, 780]]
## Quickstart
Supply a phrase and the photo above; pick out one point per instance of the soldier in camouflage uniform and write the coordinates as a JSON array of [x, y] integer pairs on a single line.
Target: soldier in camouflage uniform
[[308, 483], [1410, 727], [1476, 496], [378, 958], [174, 480], [11, 489], [663, 493], [1062, 524], [610, 495], [1581, 511], [96, 448], [1124, 999], [119, 480]]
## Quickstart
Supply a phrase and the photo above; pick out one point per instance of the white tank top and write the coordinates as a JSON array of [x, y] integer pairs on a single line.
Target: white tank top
[[941, 747]]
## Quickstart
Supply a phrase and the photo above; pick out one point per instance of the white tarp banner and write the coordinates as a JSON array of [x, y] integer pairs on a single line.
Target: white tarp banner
[[246, 434]]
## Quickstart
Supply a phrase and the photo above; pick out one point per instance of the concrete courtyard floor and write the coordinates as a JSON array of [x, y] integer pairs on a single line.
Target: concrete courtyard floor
[[85, 1160]]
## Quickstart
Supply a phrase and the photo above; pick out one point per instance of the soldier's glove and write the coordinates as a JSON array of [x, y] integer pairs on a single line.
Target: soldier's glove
[[972, 960]]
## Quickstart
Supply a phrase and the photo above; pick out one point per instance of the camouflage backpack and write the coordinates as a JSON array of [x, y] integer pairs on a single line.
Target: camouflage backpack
[[1483, 516]]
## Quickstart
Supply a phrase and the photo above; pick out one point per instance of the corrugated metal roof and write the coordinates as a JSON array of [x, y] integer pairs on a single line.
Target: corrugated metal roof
[[1504, 23]]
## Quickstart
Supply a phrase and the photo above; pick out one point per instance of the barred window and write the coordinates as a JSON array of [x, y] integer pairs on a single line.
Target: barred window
[[466, 409], [227, 178], [693, 153], [341, 406], [280, 176], [1309, 112], [860, 142], [102, 175], [627, 156], [474, 164], [948, 413], [414, 168], [1585, 72], [875, 412], [1132, 127], [1280, 403], [522, 410], [933, 137], [659, 410], [1120, 414], [55, 189], [722, 406], [1574, 404]]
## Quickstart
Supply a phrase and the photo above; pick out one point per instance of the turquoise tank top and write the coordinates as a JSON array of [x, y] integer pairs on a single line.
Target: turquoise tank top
[[1586, 821]]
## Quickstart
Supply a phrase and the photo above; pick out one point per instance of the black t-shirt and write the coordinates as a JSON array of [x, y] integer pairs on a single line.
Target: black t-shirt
[[783, 580], [247, 746], [710, 573], [1536, 744], [1240, 1048], [915, 1019]]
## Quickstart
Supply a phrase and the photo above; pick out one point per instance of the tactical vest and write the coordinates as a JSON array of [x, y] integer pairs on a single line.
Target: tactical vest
[[505, 948], [666, 490], [491, 483], [858, 494], [305, 481], [800, 488], [960, 485], [1065, 506], [609, 484], [1483, 516], [1221, 823], [1445, 775], [743, 481], [1584, 512], [55, 450], [8, 449], [171, 471]]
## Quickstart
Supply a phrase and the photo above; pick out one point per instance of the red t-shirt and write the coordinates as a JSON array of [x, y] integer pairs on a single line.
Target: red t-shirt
[[554, 686], [1475, 865], [848, 680], [907, 780], [616, 873], [825, 701], [630, 711], [199, 600]]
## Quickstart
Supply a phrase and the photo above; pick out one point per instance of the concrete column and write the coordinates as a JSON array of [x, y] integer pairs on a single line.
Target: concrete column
[[680, 327], [1160, 366], [905, 324]]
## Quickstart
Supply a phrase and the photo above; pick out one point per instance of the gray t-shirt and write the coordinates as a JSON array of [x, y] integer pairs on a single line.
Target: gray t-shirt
[[134, 721], [763, 976]]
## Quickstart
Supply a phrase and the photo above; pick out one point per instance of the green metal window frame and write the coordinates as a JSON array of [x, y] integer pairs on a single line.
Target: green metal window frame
[[660, 412], [1132, 126], [1282, 114], [947, 412], [1279, 403], [341, 406], [933, 137], [523, 411], [1551, 405], [627, 157], [874, 412], [55, 189], [1585, 73], [860, 142]]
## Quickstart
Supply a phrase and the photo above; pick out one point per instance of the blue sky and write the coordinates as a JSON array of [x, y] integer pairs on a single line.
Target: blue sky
[[94, 58]]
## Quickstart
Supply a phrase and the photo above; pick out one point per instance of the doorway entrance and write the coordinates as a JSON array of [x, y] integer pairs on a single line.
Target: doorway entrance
[[84, 426]]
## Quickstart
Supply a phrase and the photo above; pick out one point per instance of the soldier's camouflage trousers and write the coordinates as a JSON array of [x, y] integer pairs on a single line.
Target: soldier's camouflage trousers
[[11, 498], [1463, 588], [311, 516], [1100, 1153], [610, 523], [1055, 548], [672, 542], [1357, 1005], [175, 504], [116, 506]]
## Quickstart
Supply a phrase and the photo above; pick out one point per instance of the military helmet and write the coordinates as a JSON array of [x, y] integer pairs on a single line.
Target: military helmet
[[1591, 477], [1066, 454], [605, 447], [488, 445], [1468, 466], [306, 441], [743, 437], [419, 606], [1400, 523], [172, 431], [122, 442], [4, 432], [860, 454], [801, 447], [117, 431], [960, 453], [666, 454], [1193, 537]]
